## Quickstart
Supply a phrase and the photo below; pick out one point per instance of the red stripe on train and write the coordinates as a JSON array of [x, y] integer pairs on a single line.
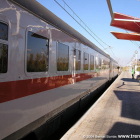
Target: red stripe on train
[[17, 89]]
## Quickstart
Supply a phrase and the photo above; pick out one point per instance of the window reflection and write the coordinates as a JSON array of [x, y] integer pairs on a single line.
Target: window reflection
[[3, 31], [86, 61], [96, 63], [100, 64], [3, 58], [105, 64], [37, 53], [77, 53], [62, 57], [91, 62]]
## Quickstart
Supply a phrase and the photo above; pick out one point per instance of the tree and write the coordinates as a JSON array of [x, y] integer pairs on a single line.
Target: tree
[[4, 59], [30, 63]]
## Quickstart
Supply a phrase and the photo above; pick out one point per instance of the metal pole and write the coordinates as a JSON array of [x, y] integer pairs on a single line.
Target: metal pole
[[136, 59], [110, 8], [136, 56]]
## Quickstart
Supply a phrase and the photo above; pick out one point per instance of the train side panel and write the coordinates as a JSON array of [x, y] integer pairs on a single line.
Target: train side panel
[[28, 94]]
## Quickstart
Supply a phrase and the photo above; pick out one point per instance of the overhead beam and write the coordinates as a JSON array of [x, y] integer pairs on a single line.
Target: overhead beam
[[110, 8], [130, 25], [127, 36]]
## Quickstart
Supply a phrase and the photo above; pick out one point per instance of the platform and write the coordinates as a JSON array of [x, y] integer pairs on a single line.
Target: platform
[[116, 114]]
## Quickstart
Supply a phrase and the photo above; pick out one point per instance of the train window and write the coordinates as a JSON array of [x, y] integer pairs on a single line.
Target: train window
[[96, 64], [62, 57], [3, 31], [3, 58], [86, 61], [91, 62], [77, 54], [105, 65], [100, 64], [37, 53]]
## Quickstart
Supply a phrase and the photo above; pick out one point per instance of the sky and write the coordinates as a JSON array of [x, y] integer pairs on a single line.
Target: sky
[[96, 15]]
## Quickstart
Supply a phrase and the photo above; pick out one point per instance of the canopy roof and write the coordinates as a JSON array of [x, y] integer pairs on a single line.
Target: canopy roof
[[127, 23], [127, 36], [117, 15]]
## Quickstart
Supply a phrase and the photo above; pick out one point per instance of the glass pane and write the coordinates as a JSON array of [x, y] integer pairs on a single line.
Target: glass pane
[[96, 64], [78, 60], [62, 57], [91, 62], [100, 63], [3, 31], [105, 65], [3, 58], [86, 61], [37, 53]]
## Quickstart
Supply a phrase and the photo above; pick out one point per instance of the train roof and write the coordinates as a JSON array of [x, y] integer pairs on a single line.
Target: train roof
[[43, 13]]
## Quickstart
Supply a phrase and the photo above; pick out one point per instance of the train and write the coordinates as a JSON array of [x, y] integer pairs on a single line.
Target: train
[[48, 70]]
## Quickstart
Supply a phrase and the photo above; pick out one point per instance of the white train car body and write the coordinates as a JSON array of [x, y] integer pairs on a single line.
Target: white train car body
[[44, 69]]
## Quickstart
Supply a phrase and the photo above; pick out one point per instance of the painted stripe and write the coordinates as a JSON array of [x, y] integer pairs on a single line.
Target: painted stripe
[[17, 89]]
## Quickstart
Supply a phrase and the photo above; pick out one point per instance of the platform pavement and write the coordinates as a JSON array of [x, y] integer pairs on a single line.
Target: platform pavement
[[116, 112]]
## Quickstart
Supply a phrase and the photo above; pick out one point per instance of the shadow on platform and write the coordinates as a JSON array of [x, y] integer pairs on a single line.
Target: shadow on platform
[[129, 80], [121, 85], [130, 104], [120, 128]]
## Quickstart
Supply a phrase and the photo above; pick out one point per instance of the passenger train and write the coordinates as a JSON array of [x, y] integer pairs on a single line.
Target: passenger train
[[48, 71]]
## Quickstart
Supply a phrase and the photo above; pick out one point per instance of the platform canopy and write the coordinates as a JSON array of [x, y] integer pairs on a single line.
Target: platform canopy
[[126, 22], [117, 15], [127, 36]]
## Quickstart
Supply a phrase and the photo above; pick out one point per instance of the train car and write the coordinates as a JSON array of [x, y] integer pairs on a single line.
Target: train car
[[48, 71]]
